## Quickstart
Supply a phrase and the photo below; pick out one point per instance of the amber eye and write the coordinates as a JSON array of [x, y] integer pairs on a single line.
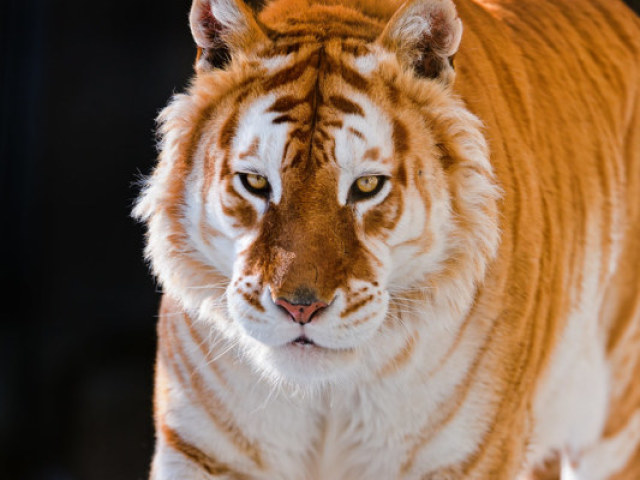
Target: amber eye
[[366, 187], [256, 184], [367, 184]]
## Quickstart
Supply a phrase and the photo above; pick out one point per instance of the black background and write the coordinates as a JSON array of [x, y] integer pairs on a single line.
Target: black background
[[81, 84]]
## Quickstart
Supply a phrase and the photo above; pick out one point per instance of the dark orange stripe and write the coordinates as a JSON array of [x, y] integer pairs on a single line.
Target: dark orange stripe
[[347, 74], [209, 464], [345, 105], [400, 137], [291, 73], [356, 306], [401, 358], [253, 302], [201, 393]]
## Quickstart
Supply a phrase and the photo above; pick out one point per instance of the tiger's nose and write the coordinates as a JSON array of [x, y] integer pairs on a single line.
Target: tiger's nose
[[301, 313]]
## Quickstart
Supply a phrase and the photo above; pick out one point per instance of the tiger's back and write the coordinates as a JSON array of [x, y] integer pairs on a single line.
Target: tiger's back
[[560, 104], [506, 353]]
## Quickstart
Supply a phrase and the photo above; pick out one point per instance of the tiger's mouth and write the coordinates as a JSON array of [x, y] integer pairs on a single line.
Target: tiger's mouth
[[303, 340], [304, 343]]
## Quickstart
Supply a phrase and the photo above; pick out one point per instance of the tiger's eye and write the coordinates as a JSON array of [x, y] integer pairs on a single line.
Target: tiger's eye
[[367, 184], [257, 182]]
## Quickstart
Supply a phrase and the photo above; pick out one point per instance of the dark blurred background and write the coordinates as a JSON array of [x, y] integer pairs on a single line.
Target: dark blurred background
[[80, 85]]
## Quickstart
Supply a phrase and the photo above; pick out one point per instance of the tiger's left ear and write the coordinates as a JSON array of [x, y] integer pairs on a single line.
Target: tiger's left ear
[[425, 34]]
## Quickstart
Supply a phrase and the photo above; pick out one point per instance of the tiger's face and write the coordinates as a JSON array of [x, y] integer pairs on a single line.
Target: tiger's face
[[324, 206], [302, 188]]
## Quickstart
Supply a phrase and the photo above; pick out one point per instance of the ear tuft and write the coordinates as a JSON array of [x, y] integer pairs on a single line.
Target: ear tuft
[[425, 34], [221, 27]]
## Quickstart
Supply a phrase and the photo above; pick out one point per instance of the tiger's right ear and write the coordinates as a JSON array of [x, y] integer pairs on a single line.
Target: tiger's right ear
[[221, 27], [425, 35]]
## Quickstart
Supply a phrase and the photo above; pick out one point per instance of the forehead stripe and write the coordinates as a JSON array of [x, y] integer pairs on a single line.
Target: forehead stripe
[[332, 65], [292, 73], [283, 119], [334, 123], [348, 74], [286, 103], [345, 105]]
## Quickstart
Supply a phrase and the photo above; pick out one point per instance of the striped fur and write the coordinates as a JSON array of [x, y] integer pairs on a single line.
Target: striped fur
[[482, 315]]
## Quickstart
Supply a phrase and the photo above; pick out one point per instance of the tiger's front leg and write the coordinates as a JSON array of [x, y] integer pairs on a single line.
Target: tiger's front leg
[[197, 429], [175, 458]]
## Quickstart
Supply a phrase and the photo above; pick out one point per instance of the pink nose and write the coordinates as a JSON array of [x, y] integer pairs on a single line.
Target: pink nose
[[299, 313]]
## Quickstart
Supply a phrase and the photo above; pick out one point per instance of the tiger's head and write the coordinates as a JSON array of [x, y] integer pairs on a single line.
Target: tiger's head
[[319, 172]]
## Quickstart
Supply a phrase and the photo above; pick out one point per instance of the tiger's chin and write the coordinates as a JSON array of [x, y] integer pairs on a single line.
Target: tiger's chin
[[303, 363]]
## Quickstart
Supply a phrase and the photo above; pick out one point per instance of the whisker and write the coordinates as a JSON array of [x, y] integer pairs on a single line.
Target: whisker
[[405, 299], [231, 346], [198, 287]]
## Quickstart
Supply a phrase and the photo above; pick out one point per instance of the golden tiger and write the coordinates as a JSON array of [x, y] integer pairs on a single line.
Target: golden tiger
[[381, 265]]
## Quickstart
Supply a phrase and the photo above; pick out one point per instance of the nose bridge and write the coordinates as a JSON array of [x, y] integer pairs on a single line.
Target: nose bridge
[[310, 213], [308, 241]]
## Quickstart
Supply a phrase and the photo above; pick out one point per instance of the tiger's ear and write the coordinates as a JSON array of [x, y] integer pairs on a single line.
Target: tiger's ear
[[220, 28], [425, 34]]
